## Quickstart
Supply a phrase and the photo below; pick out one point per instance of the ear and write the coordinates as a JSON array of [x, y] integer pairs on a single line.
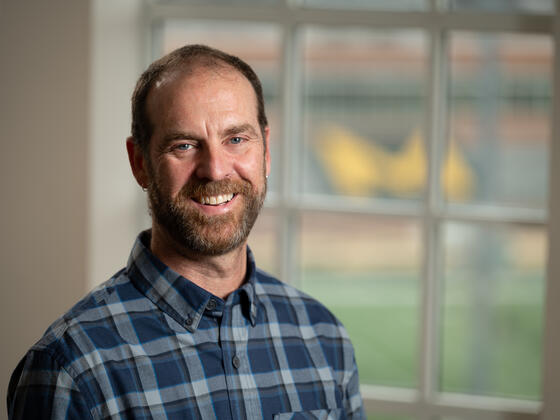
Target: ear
[[267, 149], [137, 162]]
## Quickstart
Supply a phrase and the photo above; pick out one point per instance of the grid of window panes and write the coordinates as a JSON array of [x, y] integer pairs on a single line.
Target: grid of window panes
[[500, 123], [359, 211]]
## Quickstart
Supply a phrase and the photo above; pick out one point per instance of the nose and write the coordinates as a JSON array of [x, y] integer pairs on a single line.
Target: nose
[[213, 164]]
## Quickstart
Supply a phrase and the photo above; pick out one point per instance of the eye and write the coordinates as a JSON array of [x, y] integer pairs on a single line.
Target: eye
[[184, 146], [236, 140]]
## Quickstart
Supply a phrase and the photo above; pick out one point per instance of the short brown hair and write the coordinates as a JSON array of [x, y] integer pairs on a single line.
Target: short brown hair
[[185, 58]]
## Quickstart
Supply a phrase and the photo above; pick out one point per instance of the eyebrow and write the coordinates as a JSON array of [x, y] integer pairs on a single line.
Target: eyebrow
[[178, 135], [243, 128]]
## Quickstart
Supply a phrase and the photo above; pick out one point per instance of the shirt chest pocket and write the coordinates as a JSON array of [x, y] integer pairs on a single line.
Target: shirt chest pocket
[[336, 414]]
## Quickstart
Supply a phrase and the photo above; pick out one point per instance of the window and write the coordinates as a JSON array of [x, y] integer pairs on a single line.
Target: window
[[409, 190]]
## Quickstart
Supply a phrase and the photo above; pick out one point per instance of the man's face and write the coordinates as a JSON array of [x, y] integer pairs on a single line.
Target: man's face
[[207, 163]]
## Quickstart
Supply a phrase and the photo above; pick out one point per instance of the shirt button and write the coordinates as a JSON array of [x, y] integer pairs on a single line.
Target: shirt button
[[236, 362], [189, 321], [211, 305]]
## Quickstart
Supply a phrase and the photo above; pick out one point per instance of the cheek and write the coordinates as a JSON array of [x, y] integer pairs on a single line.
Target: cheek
[[252, 168], [171, 178]]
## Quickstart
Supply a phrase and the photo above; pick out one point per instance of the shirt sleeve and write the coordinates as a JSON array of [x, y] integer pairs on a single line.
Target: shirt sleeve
[[353, 399], [353, 403], [40, 388]]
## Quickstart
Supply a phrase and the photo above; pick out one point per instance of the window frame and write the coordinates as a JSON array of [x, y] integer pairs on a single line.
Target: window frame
[[426, 401]]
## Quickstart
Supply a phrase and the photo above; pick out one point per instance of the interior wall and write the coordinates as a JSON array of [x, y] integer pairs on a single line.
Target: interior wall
[[43, 168]]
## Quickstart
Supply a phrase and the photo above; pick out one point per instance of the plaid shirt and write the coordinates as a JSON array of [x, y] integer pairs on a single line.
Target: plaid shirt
[[150, 344]]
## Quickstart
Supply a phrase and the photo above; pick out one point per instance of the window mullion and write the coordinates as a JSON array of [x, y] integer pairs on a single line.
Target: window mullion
[[290, 171], [431, 299], [551, 375]]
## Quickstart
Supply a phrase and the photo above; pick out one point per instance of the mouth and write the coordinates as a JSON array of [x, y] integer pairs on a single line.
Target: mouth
[[214, 200]]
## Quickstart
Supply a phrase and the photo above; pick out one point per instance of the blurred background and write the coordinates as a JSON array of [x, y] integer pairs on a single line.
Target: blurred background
[[411, 149]]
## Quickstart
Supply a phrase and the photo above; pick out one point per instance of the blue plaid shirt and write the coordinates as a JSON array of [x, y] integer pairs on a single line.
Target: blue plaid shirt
[[150, 344]]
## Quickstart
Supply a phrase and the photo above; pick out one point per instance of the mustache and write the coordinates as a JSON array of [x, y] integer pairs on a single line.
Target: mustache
[[197, 188]]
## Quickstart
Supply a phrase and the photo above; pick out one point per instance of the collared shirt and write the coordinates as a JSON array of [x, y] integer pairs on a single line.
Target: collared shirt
[[151, 344]]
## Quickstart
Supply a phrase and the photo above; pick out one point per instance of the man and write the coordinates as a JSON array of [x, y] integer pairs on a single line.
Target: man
[[190, 328]]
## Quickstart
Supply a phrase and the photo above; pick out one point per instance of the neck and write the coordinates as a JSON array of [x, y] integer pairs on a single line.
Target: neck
[[217, 274]]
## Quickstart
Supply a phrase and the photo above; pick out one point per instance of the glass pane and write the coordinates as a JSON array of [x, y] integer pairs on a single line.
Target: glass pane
[[364, 112], [366, 270], [263, 242], [259, 44], [526, 6], [500, 119], [493, 309], [397, 5]]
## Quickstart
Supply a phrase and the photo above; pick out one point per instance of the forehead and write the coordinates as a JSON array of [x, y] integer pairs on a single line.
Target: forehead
[[218, 85]]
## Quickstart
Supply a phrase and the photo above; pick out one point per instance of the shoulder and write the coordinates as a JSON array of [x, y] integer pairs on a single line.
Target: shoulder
[[70, 347], [90, 323]]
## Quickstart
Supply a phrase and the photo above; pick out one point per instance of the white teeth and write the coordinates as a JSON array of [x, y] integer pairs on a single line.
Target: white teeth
[[216, 200]]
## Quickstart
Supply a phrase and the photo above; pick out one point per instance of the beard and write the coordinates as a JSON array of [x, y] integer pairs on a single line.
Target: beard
[[197, 232]]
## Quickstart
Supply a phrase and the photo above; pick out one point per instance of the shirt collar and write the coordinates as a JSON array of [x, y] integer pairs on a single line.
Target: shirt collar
[[179, 297]]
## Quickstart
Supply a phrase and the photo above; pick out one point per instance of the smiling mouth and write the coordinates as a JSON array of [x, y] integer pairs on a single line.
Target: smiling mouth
[[214, 200]]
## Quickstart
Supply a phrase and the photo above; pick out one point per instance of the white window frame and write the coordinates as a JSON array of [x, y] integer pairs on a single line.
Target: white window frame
[[425, 402]]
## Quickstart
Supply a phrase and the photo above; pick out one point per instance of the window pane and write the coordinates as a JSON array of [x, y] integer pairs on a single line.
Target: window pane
[[364, 112], [263, 242], [401, 5], [366, 270], [493, 304], [500, 119], [259, 44], [527, 6]]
